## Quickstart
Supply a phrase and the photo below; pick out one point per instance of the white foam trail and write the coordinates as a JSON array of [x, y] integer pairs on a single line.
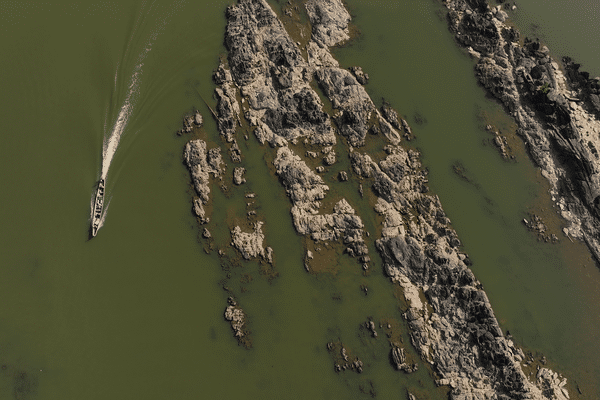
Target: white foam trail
[[111, 144], [112, 141]]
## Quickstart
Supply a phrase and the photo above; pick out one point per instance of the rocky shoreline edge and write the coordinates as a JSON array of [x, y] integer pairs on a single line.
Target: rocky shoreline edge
[[269, 87], [556, 108]]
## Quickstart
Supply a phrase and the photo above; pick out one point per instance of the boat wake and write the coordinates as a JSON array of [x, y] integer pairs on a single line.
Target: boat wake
[[118, 126]]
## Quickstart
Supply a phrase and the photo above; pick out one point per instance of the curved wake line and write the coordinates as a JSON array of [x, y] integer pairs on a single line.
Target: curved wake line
[[111, 141]]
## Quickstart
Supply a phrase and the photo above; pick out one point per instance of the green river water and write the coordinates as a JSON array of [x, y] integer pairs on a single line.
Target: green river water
[[137, 312]]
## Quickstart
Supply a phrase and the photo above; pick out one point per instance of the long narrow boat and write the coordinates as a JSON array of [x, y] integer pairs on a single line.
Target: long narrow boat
[[98, 206]]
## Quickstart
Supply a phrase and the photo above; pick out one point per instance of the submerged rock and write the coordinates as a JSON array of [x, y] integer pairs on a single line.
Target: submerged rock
[[399, 359], [342, 359]]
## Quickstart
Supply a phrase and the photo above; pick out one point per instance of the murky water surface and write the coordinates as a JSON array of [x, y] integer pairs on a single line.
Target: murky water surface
[[137, 312]]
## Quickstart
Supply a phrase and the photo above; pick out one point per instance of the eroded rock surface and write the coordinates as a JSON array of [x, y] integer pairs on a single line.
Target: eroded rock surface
[[238, 175], [557, 114], [272, 76], [451, 321], [356, 111], [329, 21], [250, 244], [237, 318], [202, 163], [306, 189]]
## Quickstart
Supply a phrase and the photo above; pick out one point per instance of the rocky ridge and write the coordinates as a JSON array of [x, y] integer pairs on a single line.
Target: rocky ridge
[[305, 189], [555, 108], [278, 102], [202, 163], [451, 321]]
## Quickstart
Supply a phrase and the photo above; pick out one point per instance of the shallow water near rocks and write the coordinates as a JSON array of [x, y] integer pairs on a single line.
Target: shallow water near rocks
[[568, 28], [137, 312], [545, 295]]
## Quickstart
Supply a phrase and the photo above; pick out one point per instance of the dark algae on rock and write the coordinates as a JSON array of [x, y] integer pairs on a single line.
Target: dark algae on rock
[[273, 88]]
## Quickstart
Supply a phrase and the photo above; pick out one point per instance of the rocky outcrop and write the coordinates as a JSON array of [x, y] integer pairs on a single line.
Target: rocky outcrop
[[356, 112], [190, 122], [557, 113], [228, 109], [451, 322], [329, 20], [236, 316], [306, 189], [273, 78], [552, 384], [330, 156], [202, 163], [250, 244], [238, 175]]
